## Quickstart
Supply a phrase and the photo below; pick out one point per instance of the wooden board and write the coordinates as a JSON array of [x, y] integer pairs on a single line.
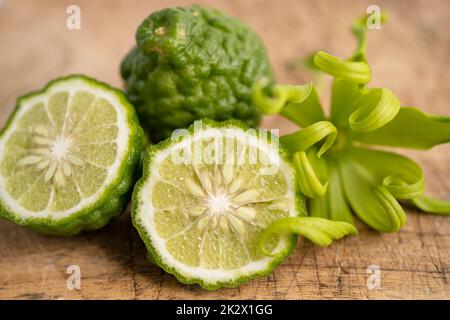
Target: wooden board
[[410, 55]]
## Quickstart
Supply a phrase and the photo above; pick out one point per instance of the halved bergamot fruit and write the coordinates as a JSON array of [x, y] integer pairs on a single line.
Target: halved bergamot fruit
[[68, 155], [206, 195]]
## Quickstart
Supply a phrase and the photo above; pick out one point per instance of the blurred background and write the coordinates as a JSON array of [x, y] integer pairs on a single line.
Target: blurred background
[[409, 55]]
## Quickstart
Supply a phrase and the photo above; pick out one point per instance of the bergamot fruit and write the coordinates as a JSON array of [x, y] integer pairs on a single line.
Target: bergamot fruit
[[191, 63], [68, 156], [206, 196]]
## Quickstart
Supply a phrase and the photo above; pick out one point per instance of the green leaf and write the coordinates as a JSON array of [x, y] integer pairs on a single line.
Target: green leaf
[[305, 112], [300, 104], [402, 177], [307, 159], [372, 202], [411, 128], [312, 174], [355, 71], [375, 108], [343, 96], [332, 205], [431, 205], [319, 231], [307, 137], [362, 110], [279, 96]]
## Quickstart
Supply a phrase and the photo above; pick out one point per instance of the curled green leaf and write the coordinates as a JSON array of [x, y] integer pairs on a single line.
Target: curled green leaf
[[374, 109], [401, 176], [362, 110], [355, 71], [310, 173], [307, 159], [411, 128], [307, 137], [372, 202], [319, 231], [391, 207], [279, 97], [300, 104], [430, 205]]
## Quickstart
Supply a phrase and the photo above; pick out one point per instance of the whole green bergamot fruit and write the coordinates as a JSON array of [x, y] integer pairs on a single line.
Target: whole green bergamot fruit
[[191, 63]]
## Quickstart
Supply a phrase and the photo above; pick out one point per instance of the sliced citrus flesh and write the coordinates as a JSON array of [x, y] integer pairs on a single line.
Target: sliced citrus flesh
[[205, 198], [67, 156]]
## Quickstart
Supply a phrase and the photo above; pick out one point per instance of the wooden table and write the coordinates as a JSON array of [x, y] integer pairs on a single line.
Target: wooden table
[[410, 55]]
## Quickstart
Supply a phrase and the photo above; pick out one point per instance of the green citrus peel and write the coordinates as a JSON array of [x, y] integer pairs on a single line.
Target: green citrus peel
[[190, 63], [335, 167]]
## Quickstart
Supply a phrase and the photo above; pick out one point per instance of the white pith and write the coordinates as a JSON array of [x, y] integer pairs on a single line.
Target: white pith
[[217, 202], [53, 155], [58, 146]]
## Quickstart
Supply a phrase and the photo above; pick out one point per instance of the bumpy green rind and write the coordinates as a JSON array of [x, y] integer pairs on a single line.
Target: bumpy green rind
[[204, 65], [153, 255], [113, 200]]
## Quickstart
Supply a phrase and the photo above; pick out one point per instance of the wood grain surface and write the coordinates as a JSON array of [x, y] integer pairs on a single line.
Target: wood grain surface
[[409, 55]]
